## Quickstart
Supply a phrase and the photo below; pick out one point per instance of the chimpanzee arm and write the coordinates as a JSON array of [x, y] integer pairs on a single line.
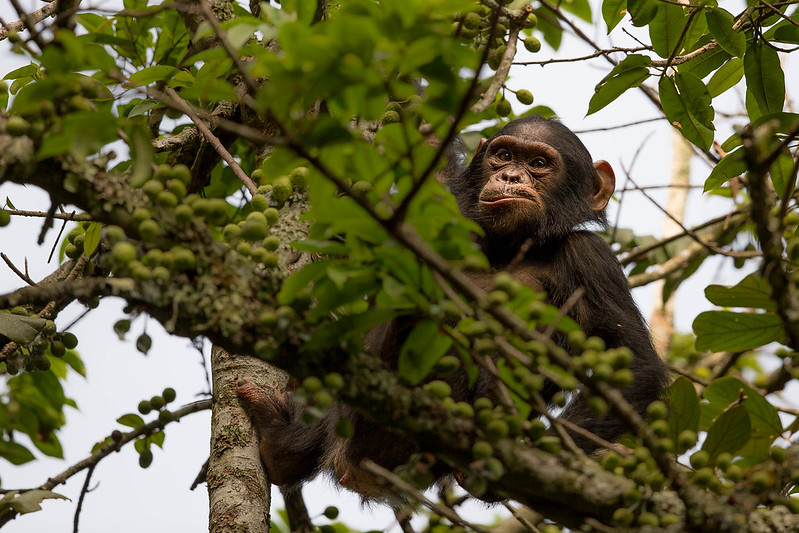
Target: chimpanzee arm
[[290, 451], [606, 310]]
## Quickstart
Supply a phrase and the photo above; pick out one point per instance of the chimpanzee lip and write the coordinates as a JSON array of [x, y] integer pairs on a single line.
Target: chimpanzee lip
[[500, 200]]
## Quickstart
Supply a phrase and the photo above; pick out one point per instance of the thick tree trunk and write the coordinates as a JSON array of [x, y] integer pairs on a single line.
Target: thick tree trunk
[[237, 486]]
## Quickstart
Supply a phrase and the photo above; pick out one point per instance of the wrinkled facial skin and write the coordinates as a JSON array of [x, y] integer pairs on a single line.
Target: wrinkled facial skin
[[520, 174], [534, 181]]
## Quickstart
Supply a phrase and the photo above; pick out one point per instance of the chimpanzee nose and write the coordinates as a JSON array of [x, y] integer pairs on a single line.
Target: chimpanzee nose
[[512, 175]]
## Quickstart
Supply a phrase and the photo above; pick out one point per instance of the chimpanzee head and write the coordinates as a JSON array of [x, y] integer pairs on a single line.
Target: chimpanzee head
[[534, 180]]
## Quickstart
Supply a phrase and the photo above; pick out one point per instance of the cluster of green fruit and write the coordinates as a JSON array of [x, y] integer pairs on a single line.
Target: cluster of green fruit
[[608, 365], [156, 403], [250, 237], [477, 25], [503, 107], [280, 188], [395, 109], [75, 94], [168, 185], [641, 468], [316, 396], [156, 264], [34, 355]]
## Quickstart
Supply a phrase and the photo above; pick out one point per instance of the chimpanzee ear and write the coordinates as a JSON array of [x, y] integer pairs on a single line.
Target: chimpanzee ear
[[605, 185]]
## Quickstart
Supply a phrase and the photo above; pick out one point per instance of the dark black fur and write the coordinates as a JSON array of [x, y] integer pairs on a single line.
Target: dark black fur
[[561, 258]]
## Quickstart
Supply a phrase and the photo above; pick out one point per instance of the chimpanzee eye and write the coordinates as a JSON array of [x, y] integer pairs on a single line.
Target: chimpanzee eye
[[539, 162], [504, 155]]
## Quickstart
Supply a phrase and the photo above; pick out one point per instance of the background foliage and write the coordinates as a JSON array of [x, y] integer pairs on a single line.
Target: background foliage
[[207, 150]]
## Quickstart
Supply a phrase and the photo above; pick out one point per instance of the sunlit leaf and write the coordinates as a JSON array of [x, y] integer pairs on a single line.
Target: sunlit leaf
[[131, 420], [92, 238], [752, 291], [736, 332]]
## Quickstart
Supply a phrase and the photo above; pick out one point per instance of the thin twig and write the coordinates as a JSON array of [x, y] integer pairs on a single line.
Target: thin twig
[[626, 125], [685, 231], [61, 216], [596, 54], [411, 491], [83, 493], [33, 17], [640, 252], [16, 271], [213, 140], [522, 520]]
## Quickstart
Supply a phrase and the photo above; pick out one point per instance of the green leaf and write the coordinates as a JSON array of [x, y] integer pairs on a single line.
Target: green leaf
[[27, 71], [20, 329], [763, 417], [782, 173], [158, 438], [683, 407], [631, 72], [666, 29], [581, 8], [642, 11], [736, 332], [613, 12], [706, 62], [92, 238], [28, 501], [720, 23], [301, 279], [696, 97], [677, 111], [152, 74], [764, 77], [141, 153], [549, 27], [787, 34], [81, 134], [752, 291], [422, 349], [726, 77], [14, 453], [731, 166], [729, 433], [240, 33], [131, 420]]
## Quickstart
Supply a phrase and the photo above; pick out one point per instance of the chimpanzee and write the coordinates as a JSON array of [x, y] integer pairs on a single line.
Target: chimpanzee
[[530, 187]]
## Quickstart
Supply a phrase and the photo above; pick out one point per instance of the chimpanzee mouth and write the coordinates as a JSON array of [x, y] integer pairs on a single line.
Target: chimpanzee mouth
[[504, 200]]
